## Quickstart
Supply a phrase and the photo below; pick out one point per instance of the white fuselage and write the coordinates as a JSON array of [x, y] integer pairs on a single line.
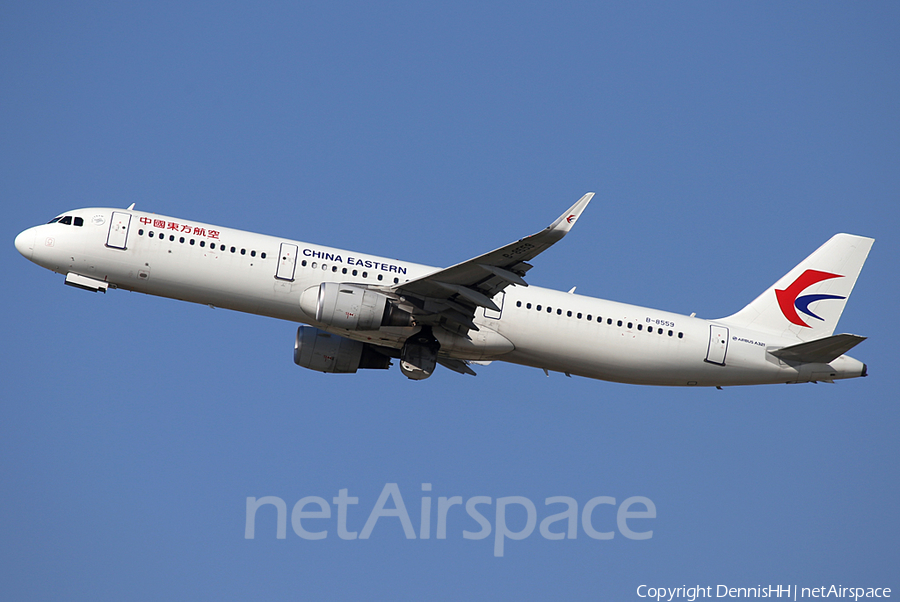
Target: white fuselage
[[266, 275]]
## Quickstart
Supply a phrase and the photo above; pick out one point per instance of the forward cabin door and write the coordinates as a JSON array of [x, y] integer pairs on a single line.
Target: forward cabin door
[[118, 230], [287, 261], [718, 345]]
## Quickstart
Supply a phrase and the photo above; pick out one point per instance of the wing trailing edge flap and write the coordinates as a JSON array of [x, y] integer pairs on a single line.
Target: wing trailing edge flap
[[475, 282], [820, 351], [456, 365]]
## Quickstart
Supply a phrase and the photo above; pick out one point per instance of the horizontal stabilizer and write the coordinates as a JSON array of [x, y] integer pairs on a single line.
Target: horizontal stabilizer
[[820, 351]]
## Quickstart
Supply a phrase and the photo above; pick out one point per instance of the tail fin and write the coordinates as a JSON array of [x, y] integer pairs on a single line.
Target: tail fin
[[807, 302]]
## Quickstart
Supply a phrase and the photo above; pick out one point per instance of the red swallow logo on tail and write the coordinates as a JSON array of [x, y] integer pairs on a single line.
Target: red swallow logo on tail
[[790, 302]]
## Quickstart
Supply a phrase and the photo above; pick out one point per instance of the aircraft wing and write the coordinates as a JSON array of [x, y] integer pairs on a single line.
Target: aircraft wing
[[453, 293]]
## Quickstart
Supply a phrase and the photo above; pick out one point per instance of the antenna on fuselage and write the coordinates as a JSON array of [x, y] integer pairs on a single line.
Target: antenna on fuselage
[[130, 207]]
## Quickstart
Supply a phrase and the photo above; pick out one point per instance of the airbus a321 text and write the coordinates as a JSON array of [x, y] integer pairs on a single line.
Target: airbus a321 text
[[360, 311]]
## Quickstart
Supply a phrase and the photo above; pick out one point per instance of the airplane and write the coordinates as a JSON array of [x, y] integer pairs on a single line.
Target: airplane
[[360, 311]]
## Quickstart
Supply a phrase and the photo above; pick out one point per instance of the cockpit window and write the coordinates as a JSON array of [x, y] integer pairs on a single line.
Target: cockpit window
[[67, 220]]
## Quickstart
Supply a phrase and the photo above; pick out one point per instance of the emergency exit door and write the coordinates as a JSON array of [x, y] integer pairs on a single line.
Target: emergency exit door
[[498, 299]]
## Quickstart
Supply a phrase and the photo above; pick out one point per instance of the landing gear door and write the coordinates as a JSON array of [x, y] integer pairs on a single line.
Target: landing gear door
[[287, 261], [718, 345], [118, 230], [498, 299]]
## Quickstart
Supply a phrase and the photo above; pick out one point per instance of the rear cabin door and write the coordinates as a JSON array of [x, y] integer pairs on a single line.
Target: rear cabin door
[[118, 230], [718, 345], [287, 261]]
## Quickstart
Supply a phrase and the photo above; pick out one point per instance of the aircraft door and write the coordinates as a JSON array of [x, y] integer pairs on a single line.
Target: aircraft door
[[118, 230], [287, 261], [498, 299], [718, 345]]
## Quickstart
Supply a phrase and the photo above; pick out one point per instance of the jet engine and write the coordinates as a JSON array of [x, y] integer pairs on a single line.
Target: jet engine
[[325, 352], [352, 307]]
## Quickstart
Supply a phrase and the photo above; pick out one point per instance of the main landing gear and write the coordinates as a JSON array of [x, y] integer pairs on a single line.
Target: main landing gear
[[418, 357]]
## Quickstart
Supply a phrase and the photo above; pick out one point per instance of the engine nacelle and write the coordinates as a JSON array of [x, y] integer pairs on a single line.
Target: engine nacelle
[[352, 307], [325, 352]]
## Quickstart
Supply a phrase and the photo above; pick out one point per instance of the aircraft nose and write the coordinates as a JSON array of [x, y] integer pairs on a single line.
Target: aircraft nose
[[25, 243]]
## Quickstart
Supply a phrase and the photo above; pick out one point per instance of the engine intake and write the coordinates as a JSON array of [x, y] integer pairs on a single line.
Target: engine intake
[[352, 307], [325, 352]]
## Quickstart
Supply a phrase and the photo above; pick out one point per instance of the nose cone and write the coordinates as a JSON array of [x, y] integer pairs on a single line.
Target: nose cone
[[25, 243]]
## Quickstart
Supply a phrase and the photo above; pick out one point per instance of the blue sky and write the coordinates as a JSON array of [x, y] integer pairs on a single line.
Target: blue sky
[[725, 143]]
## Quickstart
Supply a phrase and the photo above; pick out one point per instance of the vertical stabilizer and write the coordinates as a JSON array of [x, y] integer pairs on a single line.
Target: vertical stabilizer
[[807, 302]]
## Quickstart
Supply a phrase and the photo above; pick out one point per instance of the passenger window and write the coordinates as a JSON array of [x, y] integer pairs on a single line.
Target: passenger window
[[181, 240], [680, 335], [162, 235], [263, 256], [252, 253], [222, 248], [579, 315], [140, 232], [640, 326], [396, 280], [629, 325], [303, 263], [365, 274], [589, 317], [192, 241], [670, 333], [243, 251], [202, 243], [171, 238], [518, 304], [538, 308], [233, 249], [355, 272], [334, 268], [619, 323], [609, 321], [528, 306]]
